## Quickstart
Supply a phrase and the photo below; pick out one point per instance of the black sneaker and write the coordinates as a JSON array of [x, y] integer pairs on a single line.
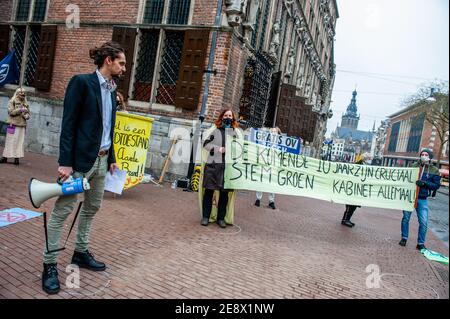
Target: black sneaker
[[258, 203], [421, 246], [402, 242], [272, 205], [50, 281], [86, 260]]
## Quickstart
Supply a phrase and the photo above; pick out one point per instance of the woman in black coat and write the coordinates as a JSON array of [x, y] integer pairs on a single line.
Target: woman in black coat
[[214, 172]]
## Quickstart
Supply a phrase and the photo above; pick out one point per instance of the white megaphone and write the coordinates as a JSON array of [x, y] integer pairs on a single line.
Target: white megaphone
[[39, 191]]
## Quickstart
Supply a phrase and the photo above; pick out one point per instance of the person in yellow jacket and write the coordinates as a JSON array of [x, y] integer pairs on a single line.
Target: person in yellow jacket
[[213, 176]]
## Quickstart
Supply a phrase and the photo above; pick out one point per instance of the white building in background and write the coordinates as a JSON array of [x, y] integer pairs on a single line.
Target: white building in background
[[338, 148]]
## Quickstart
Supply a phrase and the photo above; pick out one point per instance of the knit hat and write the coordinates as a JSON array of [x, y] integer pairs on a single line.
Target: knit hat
[[429, 151]]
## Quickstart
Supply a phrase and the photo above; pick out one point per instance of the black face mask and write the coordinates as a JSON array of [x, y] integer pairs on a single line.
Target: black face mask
[[227, 122]]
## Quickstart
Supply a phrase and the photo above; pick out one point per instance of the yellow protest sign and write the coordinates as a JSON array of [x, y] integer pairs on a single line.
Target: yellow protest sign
[[131, 143]]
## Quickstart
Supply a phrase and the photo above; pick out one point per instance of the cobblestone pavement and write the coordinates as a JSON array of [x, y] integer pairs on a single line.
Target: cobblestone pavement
[[154, 247]]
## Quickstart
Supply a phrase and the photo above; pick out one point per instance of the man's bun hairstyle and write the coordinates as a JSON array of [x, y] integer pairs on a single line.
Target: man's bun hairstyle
[[108, 49]]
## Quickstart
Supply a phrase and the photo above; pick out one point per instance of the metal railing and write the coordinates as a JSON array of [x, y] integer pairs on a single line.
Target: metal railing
[[32, 54], [154, 10], [179, 11], [170, 66], [148, 47]]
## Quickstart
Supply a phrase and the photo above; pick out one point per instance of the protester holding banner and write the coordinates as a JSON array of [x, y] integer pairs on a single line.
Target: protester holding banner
[[18, 115], [350, 209], [214, 171], [86, 150], [275, 131], [429, 181]]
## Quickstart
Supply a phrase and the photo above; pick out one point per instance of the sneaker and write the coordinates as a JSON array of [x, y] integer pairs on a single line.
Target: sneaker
[[421, 246], [272, 205], [258, 203], [402, 242], [204, 222]]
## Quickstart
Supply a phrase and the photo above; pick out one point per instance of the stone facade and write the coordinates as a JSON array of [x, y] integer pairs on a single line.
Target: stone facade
[[298, 35]]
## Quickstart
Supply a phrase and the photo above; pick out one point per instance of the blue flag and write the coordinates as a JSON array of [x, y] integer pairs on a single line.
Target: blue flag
[[9, 72]]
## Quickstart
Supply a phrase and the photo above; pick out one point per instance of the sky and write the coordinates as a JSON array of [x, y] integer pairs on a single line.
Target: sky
[[387, 49]]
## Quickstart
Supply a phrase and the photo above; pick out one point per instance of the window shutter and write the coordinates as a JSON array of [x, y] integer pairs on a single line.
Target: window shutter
[[4, 41], [190, 77], [46, 55], [285, 107], [126, 37]]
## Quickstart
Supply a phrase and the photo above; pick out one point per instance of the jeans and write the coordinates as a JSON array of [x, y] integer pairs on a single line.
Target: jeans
[[422, 215], [259, 196]]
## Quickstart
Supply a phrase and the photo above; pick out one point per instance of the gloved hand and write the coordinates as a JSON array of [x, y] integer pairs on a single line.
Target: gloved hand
[[420, 183]]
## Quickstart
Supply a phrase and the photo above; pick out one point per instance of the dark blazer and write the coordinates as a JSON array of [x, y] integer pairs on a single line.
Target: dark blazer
[[82, 125]]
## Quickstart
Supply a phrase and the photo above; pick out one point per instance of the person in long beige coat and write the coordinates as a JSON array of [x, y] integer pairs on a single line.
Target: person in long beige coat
[[18, 115]]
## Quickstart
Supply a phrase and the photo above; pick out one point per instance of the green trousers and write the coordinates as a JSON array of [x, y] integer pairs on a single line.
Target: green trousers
[[65, 205]]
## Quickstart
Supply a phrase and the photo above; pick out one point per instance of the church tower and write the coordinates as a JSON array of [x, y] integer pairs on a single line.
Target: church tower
[[351, 118]]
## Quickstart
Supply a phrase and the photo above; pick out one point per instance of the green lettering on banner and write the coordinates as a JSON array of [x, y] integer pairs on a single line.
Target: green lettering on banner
[[255, 167]]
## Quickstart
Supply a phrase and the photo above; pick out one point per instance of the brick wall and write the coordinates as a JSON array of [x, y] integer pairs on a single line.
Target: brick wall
[[235, 75], [425, 141], [117, 11], [6, 10], [72, 55], [204, 12]]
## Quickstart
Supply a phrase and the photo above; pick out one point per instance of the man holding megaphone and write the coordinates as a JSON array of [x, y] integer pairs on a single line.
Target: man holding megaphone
[[85, 152]]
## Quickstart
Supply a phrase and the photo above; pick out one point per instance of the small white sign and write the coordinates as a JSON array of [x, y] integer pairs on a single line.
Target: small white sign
[[115, 183]]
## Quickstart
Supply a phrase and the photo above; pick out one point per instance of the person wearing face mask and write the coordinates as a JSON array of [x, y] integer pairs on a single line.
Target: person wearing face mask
[[214, 171], [429, 181], [18, 115], [366, 159]]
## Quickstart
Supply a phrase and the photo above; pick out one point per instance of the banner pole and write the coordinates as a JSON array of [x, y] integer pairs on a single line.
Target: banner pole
[[418, 188]]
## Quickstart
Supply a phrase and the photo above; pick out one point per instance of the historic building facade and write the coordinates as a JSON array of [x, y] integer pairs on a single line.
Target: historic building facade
[[407, 134], [271, 61]]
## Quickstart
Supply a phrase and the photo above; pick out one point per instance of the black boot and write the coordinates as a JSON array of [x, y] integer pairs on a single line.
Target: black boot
[[221, 223], [3, 160], [16, 161], [86, 260], [349, 215], [345, 220], [50, 281]]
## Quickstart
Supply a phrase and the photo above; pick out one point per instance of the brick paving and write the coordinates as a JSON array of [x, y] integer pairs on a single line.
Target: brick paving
[[154, 247]]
